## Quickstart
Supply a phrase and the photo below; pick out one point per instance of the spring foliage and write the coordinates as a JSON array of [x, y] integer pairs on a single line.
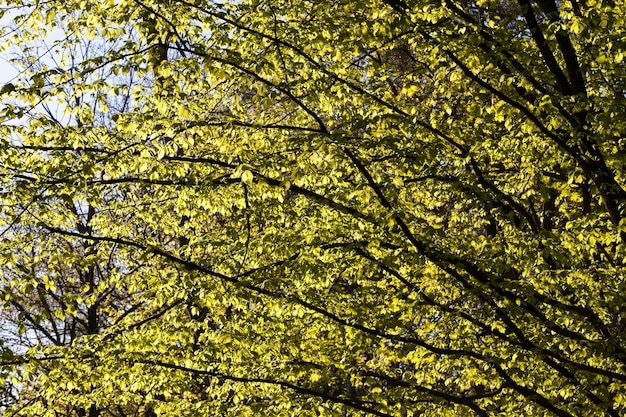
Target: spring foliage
[[314, 208]]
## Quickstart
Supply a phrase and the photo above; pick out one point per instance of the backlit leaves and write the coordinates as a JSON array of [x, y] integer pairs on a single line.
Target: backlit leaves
[[314, 208]]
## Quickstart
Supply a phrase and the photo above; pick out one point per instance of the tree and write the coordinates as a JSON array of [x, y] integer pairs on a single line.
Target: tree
[[332, 208], [59, 288]]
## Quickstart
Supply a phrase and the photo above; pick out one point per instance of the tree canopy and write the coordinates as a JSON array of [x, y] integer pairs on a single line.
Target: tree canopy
[[313, 208]]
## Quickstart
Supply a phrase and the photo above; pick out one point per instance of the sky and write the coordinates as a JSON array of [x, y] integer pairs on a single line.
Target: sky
[[7, 71], [10, 72]]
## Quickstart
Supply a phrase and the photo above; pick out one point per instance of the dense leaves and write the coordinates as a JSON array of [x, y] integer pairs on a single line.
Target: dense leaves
[[314, 208]]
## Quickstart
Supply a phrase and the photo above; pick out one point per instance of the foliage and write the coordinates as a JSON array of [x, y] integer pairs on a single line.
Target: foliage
[[316, 208]]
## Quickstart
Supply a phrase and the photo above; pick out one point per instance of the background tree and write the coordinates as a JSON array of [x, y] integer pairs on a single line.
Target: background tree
[[337, 208], [56, 288]]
